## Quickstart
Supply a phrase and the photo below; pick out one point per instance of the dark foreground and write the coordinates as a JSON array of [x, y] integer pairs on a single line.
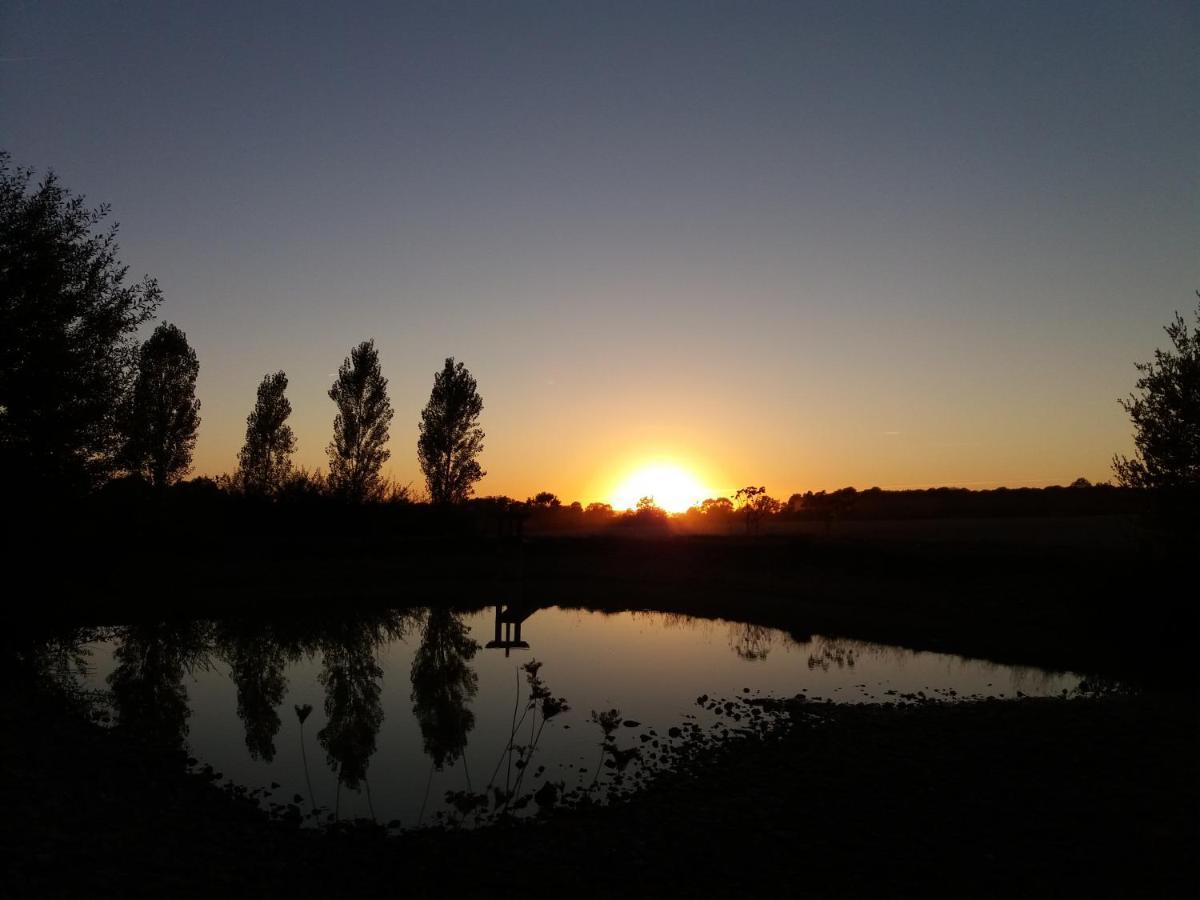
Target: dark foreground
[[1087, 797]]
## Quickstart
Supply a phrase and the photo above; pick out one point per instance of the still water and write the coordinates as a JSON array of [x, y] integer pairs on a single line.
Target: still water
[[401, 715]]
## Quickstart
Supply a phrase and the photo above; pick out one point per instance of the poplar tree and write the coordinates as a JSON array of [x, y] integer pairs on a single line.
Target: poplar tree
[[360, 428], [265, 460], [450, 437], [164, 414]]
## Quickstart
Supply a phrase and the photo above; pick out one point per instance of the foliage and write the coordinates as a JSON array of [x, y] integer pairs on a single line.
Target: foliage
[[450, 437], [265, 461], [754, 503], [717, 507], [829, 506], [544, 500], [67, 336], [360, 428], [1166, 415], [163, 413]]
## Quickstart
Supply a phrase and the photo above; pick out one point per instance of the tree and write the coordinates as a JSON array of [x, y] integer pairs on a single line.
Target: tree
[[717, 506], [755, 504], [544, 500], [1166, 416], [68, 347], [360, 428], [648, 510], [450, 437], [265, 461], [163, 413]]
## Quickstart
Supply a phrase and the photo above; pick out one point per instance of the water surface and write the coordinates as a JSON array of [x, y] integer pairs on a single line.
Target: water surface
[[409, 705]]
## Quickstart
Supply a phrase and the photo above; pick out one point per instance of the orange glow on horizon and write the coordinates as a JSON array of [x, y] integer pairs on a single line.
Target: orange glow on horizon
[[674, 487]]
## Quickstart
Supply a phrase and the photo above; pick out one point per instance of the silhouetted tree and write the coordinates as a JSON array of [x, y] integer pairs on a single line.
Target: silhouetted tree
[[832, 506], [755, 504], [600, 510], [443, 683], [360, 428], [1166, 416], [265, 461], [544, 500], [163, 414], [717, 506], [450, 438], [67, 336]]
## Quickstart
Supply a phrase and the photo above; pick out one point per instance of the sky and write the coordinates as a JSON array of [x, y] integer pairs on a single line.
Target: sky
[[803, 245]]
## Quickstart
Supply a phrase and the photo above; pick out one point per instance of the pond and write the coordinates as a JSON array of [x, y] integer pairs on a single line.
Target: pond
[[413, 717]]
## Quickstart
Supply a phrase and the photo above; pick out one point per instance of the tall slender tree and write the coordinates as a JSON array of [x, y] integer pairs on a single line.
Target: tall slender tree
[[265, 461], [163, 414], [68, 348], [360, 428], [450, 437]]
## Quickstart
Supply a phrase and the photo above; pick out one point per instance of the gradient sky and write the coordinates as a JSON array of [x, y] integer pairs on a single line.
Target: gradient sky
[[798, 244]]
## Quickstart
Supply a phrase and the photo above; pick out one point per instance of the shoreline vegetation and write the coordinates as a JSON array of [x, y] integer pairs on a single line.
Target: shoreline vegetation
[[1093, 795]]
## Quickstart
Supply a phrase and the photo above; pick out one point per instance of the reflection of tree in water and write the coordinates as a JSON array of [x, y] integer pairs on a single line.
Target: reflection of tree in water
[[350, 675], [59, 657], [752, 642], [146, 686], [830, 653], [257, 659], [442, 685]]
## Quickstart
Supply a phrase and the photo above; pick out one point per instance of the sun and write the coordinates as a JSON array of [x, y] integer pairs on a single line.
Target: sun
[[673, 488]]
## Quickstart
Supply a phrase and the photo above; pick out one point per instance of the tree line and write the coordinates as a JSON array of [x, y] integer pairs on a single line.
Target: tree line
[[82, 401]]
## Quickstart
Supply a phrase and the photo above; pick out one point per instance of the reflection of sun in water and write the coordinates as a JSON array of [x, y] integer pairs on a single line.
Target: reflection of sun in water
[[672, 487]]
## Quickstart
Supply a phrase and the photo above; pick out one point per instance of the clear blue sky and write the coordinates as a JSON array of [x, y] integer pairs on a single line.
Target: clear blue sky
[[799, 244]]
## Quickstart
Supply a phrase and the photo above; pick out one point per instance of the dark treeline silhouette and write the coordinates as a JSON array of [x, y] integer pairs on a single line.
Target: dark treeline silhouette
[[752, 509], [83, 403]]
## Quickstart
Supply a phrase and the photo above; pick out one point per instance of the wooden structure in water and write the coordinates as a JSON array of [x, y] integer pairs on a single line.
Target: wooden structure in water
[[508, 627]]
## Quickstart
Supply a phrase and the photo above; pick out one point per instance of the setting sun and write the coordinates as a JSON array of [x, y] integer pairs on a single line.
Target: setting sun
[[673, 488]]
